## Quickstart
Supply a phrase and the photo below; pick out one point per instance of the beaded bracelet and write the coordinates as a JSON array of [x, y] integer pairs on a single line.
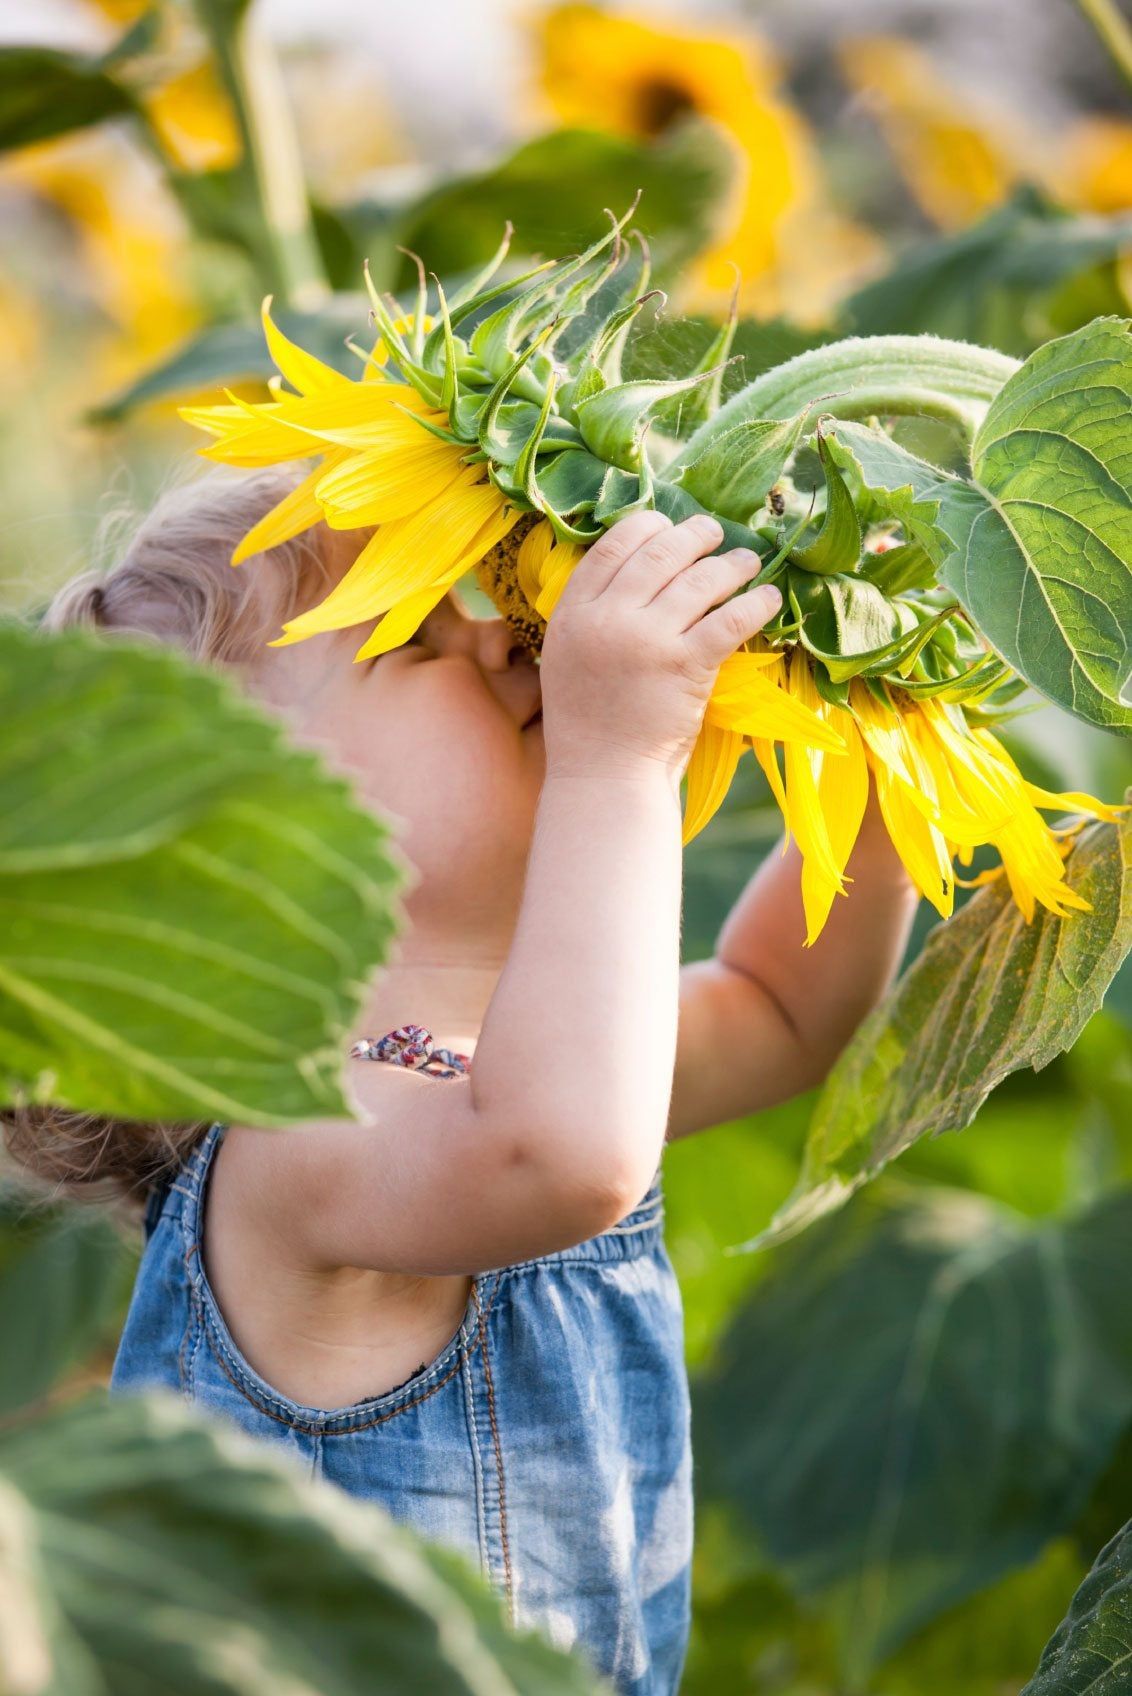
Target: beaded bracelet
[[412, 1046]]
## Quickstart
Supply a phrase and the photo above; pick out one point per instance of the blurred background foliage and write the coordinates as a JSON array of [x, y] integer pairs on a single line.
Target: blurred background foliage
[[913, 1424]]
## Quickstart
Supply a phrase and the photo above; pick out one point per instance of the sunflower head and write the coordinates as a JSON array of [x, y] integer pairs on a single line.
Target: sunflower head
[[504, 432]]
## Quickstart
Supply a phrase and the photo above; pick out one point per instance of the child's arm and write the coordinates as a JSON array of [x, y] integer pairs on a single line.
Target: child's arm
[[765, 1018], [558, 1130]]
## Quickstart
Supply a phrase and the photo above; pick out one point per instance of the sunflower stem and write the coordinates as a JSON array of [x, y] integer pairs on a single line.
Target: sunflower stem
[[271, 164]]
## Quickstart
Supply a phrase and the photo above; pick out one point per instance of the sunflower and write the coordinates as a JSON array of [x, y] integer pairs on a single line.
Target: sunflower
[[960, 161], [471, 441], [636, 78]]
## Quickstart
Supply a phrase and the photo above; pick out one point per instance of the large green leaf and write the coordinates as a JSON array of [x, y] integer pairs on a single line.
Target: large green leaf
[[65, 1275], [189, 907], [176, 1555], [917, 1398], [1090, 1654], [1027, 271], [1045, 566], [989, 994]]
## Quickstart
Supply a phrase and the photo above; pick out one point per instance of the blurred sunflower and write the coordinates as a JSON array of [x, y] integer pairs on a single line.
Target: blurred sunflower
[[179, 89], [636, 78], [959, 161]]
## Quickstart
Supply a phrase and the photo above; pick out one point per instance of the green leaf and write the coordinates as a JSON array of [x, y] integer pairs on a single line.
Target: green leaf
[[1089, 1654], [65, 1276], [553, 190], [736, 471], [919, 1397], [46, 93], [1044, 562], [190, 907], [1008, 282], [989, 994], [183, 1557]]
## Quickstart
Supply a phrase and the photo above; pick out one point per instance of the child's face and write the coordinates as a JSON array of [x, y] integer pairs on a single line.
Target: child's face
[[444, 735]]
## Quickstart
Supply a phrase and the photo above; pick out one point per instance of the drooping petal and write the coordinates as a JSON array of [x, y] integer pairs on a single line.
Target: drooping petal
[[749, 703], [557, 570], [533, 551], [768, 759], [807, 819], [710, 771], [301, 369], [374, 488], [401, 558], [406, 618], [296, 512], [843, 794], [403, 620]]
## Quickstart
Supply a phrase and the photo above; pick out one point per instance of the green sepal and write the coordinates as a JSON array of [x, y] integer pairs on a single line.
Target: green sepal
[[837, 546], [426, 383], [706, 402], [837, 694], [450, 388], [613, 421], [736, 471], [567, 488], [622, 492], [495, 340], [978, 681], [494, 447], [527, 461], [676, 503], [855, 630], [907, 566]]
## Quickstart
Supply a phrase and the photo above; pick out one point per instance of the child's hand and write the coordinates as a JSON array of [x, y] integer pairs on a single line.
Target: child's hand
[[634, 645]]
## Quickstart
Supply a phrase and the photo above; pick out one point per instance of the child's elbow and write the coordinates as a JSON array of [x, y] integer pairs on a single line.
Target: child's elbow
[[585, 1186]]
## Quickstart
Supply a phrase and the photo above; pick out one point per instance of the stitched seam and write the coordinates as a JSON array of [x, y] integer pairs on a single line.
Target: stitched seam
[[307, 1427], [490, 1382], [477, 1467]]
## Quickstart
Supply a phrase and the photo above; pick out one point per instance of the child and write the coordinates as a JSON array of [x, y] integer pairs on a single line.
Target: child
[[462, 1308]]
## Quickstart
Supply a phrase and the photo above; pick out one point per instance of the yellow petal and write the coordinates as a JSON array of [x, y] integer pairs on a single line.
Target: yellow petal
[[843, 793], [536, 545], [302, 370], [557, 570], [768, 759], [375, 488], [756, 707], [710, 771], [404, 620], [296, 512], [404, 557]]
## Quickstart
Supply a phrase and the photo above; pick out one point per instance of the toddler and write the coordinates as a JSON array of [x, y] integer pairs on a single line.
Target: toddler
[[462, 1307]]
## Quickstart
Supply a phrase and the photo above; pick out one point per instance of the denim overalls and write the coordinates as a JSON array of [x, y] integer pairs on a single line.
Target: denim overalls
[[548, 1440]]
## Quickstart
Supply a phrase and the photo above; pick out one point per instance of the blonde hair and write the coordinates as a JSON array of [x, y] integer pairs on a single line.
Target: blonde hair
[[172, 583]]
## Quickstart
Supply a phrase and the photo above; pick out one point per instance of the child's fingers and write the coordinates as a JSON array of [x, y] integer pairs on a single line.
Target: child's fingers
[[704, 583], [720, 633], [601, 563], [654, 564]]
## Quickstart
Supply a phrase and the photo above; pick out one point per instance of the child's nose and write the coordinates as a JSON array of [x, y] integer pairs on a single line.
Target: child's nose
[[495, 646]]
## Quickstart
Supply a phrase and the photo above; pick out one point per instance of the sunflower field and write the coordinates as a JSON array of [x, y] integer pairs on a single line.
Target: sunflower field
[[858, 283]]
